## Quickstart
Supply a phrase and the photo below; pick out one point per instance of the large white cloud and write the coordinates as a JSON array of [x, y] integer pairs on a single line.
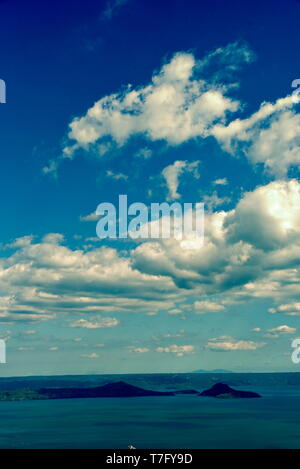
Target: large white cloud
[[268, 217], [175, 106], [43, 279], [251, 251], [180, 103], [254, 248], [270, 136], [185, 100]]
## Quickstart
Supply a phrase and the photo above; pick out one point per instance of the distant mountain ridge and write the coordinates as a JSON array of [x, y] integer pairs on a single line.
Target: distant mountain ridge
[[212, 371]]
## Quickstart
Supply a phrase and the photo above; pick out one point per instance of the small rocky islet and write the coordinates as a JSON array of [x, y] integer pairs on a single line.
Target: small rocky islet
[[223, 391]]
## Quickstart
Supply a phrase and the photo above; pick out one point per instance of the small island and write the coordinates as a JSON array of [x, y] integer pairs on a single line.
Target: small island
[[223, 391]]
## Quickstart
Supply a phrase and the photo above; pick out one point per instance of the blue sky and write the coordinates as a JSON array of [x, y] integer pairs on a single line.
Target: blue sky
[[188, 101]]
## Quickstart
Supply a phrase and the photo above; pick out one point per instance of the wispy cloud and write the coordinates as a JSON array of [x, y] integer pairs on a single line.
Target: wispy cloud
[[213, 200], [93, 216], [221, 182], [97, 323], [117, 176], [140, 349], [90, 355], [112, 8], [172, 175]]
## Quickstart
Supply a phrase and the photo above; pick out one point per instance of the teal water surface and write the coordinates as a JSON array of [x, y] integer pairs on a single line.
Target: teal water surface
[[182, 421]]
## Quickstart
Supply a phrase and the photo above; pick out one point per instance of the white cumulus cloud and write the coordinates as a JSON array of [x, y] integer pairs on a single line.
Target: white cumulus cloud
[[229, 344], [178, 350]]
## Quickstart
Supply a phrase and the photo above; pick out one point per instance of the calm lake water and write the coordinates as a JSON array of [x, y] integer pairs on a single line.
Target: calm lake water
[[182, 421]]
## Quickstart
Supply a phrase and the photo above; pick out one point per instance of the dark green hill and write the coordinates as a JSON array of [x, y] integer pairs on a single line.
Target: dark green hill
[[116, 389]]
